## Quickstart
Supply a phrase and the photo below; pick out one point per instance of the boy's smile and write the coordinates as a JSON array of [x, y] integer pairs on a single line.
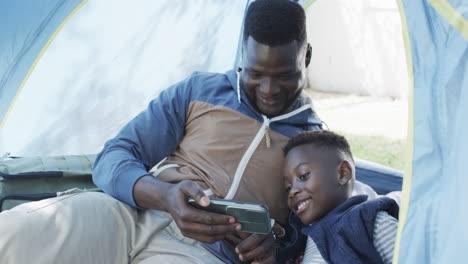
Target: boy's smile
[[313, 181], [301, 206]]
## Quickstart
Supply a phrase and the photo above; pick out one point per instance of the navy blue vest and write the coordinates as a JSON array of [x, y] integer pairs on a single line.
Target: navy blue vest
[[345, 235]]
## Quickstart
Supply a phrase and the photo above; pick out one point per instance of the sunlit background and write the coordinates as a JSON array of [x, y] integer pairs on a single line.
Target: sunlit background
[[112, 57]]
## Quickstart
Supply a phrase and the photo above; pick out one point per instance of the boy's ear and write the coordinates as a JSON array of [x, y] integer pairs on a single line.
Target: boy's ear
[[345, 173]]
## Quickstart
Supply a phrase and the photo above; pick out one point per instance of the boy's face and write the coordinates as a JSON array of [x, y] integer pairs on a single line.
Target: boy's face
[[314, 182]]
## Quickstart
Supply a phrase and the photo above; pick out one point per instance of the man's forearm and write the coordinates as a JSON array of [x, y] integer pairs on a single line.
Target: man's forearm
[[150, 192]]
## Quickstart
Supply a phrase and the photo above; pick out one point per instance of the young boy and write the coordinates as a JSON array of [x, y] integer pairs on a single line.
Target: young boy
[[320, 174]]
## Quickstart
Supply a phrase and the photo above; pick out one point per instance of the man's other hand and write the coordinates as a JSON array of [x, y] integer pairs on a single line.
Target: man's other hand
[[257, 248]]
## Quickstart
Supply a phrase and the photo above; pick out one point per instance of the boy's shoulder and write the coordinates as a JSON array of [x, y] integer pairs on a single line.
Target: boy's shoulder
[[359, 212], [358, 207], [353, 222], [370, 208], [351, 226]]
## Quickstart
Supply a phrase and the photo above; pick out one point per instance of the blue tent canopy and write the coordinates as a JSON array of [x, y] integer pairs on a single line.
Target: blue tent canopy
[[26, 29], [77, 71], [434, 210]]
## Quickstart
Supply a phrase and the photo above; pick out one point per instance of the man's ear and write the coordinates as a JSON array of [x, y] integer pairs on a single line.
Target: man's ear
[[308, 55], [345, 173]]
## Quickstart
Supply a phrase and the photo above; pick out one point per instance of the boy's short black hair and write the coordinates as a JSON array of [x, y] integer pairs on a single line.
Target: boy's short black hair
[[320, 138], [275, 22]]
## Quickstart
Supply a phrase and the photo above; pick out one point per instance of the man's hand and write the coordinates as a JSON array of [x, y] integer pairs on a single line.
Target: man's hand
[[152, 193], [194, 223], [257, 249]]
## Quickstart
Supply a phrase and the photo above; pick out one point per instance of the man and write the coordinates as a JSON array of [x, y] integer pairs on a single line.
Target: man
[[222, 135], [216, 131]]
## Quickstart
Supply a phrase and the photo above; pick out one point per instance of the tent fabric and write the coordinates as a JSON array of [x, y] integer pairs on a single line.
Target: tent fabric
[[433, 228], [306, 3], [452, 15], [105, 65], [381, 178], [459, 5], [26, 27]]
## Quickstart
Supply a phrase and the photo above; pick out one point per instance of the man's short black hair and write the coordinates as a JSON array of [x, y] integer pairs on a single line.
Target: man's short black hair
[[275, 22], [320, 138]]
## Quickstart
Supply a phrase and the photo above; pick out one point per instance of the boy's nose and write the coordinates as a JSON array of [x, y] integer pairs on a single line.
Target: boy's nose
[[293, 192]]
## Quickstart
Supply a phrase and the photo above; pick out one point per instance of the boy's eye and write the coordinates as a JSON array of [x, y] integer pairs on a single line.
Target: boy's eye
[[304, 176], [288, 188]]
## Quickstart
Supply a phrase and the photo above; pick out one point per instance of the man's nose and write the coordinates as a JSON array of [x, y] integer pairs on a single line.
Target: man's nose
[[268, 86]]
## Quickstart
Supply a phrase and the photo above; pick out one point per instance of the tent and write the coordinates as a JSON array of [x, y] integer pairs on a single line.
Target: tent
[[85, 68], [432, 216], [72, 72]]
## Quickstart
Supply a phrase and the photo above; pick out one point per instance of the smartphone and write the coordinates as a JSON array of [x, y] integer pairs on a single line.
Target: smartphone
[[253, 217]]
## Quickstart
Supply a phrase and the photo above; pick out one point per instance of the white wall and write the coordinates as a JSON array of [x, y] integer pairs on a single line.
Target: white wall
[[357, 47]]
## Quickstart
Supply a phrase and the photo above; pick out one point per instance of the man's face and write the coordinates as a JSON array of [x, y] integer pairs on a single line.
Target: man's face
[[273, 77], [312, 182]]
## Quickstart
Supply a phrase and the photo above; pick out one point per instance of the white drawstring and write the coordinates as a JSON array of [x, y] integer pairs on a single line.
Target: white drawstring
[[245, 159], [266, 121], [253, 146], [156, 173], [267, 136], [238, 86]]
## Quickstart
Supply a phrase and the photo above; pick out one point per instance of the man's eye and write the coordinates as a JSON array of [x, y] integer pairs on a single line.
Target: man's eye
[[288, 189], [304, 176], [254, 74], [286, 77]]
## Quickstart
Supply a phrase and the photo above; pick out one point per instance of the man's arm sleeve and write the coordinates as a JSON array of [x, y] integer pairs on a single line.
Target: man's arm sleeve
[[142, 143]]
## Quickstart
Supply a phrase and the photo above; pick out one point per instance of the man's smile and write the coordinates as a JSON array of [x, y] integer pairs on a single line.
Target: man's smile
[[270, 101]]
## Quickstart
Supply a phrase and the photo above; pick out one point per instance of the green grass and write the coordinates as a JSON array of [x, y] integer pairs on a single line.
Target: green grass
[[388, 152]]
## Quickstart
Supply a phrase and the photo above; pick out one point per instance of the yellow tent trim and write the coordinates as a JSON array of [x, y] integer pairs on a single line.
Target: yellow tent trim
[[308, 3], [451, 15], [31, 69], [409, 149]]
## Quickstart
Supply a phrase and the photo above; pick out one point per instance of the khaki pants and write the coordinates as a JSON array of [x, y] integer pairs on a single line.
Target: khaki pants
[[90, 227]]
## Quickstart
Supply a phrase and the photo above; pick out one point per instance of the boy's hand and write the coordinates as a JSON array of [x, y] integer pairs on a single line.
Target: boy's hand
[[257, 248], [194, 223]]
